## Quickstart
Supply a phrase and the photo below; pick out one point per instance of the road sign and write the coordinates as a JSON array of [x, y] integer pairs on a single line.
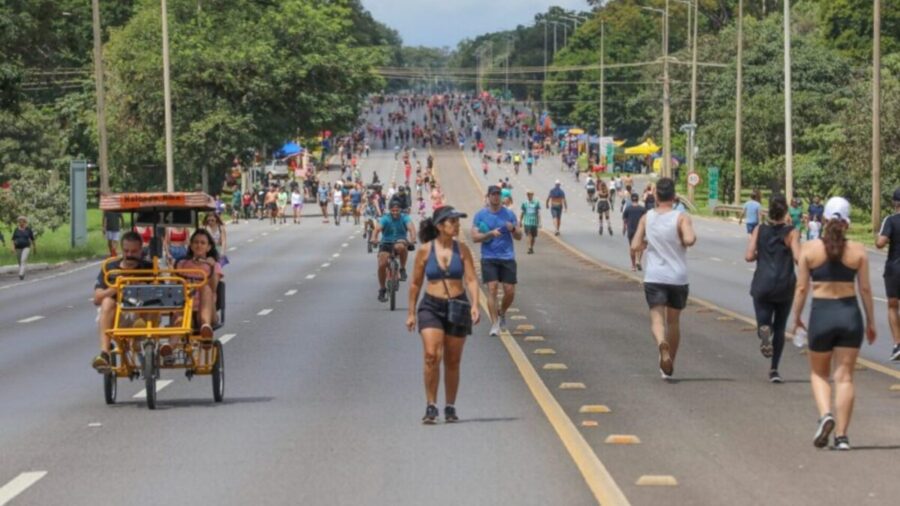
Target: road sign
[[78, 202], [713, 173], [693, 179]]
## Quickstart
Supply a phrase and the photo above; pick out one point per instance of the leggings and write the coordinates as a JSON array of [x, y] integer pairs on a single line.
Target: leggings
[[775, 315]]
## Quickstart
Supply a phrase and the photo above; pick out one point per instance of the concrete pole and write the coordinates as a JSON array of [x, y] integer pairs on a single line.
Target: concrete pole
[[507, 67], [101, 100], [667, 119], [876, 117], [739, 85], [601, 130], [555, 25], [692, 163], [543, 98], [788, 127], [167, 98]]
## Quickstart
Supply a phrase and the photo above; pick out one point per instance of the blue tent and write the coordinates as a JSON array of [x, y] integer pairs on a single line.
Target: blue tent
[[289, 149]]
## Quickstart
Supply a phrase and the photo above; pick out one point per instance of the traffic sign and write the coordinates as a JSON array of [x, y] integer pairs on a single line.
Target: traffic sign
[[693, 179]]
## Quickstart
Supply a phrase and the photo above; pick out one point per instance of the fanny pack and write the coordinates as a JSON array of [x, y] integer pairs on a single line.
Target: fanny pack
[[459, 312]]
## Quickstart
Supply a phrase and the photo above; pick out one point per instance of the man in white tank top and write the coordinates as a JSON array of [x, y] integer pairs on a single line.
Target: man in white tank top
[[665, 234]]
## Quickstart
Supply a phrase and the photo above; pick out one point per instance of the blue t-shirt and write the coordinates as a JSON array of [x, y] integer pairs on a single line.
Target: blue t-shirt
[[557, 193], [355, 197], [394, 230], [751, 210], [497, 248]]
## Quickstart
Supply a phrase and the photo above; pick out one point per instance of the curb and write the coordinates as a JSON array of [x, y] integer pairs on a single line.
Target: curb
[[44, 266]]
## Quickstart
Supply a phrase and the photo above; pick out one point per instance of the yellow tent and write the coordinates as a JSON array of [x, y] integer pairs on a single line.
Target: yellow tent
[[647, 148]]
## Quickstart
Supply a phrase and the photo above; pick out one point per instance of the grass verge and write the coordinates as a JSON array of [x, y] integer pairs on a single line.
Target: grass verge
[[54, 246]]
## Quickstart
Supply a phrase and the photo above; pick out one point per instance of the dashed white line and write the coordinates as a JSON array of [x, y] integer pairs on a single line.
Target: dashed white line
[[290, 292], [344, 245], [310, 276], [336, 255], [160, 384], [18, 485], [716, 259], [264, 312], [326, 264], [95, 425], [265, 234], [232, 248], [227, 337], [250, 240], [31, 319]]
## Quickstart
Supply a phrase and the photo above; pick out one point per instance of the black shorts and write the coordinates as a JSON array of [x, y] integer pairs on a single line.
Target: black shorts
[[659, 294], [892, 286], [388, 247], [531, 230], [835, 323], [503, 271], [603, 206], [432, 314]]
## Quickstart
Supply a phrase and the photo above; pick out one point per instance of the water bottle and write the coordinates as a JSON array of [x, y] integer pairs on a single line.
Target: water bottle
[[800, 338]]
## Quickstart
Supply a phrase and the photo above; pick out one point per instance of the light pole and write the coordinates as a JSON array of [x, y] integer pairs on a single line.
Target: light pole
[[876, 116], [738, 103], [101, 100], [788, 127], [167, 98], [667, 134], [602, 129]]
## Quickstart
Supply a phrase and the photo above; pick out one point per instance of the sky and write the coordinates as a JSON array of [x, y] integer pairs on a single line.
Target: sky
[[439, 23]]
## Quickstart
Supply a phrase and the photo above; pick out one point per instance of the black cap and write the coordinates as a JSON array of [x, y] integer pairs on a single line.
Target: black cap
[[897, 194], [444, 212], [493, 189]]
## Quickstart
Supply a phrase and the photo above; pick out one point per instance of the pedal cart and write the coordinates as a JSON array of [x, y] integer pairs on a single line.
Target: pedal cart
[[156, 305]]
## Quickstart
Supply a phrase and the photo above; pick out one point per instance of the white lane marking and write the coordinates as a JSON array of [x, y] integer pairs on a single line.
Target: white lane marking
[[53, 276], [310, 276], [265, 234], [232, 248], [95, 424], [277, 229], [160, 384], [716, 259], [336, 255], [264, 312], [31, 319], [18, 485], [250, 240], [344, 245], [351, 237], [326, 264], [227, 337], [290, 292]]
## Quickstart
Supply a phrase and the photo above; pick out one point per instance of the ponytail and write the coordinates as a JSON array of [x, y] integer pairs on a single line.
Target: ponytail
[[835, 238], [427, 230]]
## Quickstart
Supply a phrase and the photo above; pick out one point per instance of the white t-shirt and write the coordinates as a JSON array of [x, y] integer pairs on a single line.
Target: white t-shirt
[[296, 198], [338, 197]]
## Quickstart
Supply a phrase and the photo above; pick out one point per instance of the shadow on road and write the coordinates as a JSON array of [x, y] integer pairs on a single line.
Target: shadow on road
[[675, 381], [488, 420], [185, 403]]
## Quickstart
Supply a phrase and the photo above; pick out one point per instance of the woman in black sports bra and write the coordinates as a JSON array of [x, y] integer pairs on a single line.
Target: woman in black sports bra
[[836, 268], [446, 268]]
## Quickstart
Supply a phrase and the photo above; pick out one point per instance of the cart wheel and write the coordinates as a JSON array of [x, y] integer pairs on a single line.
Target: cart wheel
[[110, 381], [218, 373], [150, 373]]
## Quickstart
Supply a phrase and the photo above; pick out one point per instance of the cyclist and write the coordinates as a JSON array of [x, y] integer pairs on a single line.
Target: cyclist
[[398, 232], [590, 186], [371, 213]]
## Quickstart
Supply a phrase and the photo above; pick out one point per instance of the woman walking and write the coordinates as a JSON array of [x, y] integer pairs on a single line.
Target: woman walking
[[23, 243], [445, 314], [835, 322], [775, 247]]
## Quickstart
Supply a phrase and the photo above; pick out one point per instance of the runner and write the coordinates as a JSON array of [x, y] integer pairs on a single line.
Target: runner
[[752, 212], [631, 218], [531, 219], [495, 228], [775, 247], [445, 314], [666, 234], [603, 207], [890, 237], [832, 265], [556, 202]]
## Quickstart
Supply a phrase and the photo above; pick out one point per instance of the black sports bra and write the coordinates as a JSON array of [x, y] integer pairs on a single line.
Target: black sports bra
[[833, 271]]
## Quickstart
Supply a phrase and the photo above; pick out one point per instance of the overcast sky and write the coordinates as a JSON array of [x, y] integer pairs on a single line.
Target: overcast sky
[[439, 23]]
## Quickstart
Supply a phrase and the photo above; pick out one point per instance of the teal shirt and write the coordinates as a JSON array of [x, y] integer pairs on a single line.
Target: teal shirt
[[531, 210]]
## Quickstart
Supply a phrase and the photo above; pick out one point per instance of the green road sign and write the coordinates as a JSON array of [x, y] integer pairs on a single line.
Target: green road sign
[[713, 178]]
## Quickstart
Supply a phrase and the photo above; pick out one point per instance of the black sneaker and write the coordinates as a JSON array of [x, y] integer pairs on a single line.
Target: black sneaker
[[382, 295], [450, 414], [402, 274], [841, 443], [431, 414], [823, 430], [765, 340], [774, 377], [895, 353]]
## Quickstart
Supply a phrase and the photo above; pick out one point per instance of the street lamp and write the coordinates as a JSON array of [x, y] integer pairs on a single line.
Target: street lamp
[[667, 135]]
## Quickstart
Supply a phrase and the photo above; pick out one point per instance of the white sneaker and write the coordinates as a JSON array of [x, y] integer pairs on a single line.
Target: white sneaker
[[495, 329]]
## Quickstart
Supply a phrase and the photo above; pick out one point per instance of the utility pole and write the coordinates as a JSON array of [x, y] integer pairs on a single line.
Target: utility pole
[[555, 24], [667, 99], [788, 127], [876, 117], [544, 83], [101, 100], [692, 135], [601, 130], [738, 102], [167, 98]]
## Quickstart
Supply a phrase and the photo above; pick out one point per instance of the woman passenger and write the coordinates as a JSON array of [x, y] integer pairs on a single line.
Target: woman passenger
[[446, 268], [203, 255], [838, 268]]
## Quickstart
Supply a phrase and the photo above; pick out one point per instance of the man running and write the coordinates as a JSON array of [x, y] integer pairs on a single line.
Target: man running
[[495, 228], [397, 231], [556, 201], [890, 236], [531, 219], [666, 234], [631, 218]]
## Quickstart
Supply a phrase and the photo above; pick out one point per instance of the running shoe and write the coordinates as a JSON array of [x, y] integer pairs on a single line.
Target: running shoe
[[382, 295], [774, 377], [101, 362], [765, 340], [502, 322], [823, 430], [402, 274], [841, 443], [450, 414], [495, 329], [530, 251], [895, 353], [665, 360], [431, 415], [664, 376]]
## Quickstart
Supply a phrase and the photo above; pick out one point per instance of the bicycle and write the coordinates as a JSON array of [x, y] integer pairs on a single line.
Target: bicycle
[[392, 281]]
